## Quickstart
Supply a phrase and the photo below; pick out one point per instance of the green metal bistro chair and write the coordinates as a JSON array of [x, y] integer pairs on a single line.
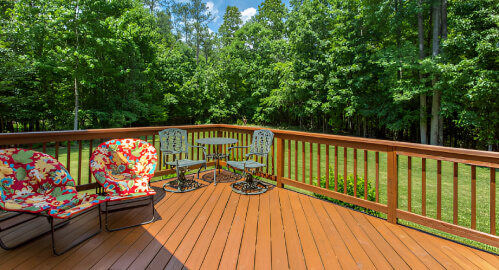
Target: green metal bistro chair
[[260, 147], [174, 142]]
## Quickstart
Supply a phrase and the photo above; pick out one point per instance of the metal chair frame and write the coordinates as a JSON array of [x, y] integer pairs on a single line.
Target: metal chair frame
[[53, 228], [260, 146], [174, 142]]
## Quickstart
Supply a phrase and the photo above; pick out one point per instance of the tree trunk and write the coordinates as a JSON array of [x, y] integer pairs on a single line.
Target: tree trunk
[[437, 93], [75, 126], [76, 104], [423, 124]]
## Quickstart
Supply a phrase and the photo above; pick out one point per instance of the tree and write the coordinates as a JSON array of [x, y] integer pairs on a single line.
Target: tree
[[200, 16], [271, 14], [232, 22]]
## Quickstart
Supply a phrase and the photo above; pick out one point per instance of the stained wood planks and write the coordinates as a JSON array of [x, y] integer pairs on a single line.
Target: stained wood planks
[[215, 228]]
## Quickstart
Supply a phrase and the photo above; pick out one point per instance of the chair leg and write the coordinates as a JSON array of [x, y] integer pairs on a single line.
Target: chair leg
[[4, 246], [54, 248], [131, 226]]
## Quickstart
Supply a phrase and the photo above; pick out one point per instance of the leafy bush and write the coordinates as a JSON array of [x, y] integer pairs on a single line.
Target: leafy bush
[[371, 191]]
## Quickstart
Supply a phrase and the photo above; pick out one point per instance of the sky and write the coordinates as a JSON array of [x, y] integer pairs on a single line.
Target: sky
[[248, 9]]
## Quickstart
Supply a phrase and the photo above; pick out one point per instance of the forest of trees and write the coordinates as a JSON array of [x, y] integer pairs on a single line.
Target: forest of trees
[[414, 70]]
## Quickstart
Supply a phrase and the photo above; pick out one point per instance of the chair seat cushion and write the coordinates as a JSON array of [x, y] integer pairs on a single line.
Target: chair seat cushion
[[85, 202], [186, 162], [248, 164], [125, 185], [37, 202], [118, 197]]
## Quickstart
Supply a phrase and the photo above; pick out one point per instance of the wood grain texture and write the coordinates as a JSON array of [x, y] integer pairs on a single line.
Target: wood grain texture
[[215, 228]]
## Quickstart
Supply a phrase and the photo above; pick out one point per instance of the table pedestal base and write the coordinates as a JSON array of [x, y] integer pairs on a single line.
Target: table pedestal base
[[250, 186], [181, 184]]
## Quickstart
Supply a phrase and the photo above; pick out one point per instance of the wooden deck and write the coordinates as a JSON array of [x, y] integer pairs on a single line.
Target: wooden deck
[[215, 228]]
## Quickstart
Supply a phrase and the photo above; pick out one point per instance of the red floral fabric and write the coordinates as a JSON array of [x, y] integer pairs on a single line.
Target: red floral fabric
[[35, 182], [124, 167]]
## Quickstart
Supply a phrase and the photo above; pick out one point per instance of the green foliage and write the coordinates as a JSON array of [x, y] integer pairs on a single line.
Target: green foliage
[[371, 191], [350, 67]]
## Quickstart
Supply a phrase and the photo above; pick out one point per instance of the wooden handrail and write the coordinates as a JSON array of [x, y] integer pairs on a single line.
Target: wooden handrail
[[308, 174]]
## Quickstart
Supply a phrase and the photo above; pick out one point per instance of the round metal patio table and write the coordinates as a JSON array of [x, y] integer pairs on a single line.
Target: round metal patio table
[[217, 156]]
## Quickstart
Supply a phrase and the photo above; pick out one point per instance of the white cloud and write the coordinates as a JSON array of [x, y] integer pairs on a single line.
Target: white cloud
[[247, 14], [212, 9]]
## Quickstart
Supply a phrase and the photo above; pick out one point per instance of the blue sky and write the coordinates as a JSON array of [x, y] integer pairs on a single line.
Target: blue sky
[[248, 9]]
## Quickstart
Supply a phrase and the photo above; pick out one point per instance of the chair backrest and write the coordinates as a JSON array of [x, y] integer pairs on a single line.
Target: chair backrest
[[24, 172], [262, 141], [123, 159], [174, 141]]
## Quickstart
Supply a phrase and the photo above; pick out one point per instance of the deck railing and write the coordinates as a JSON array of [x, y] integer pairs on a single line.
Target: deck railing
[[448, 189]]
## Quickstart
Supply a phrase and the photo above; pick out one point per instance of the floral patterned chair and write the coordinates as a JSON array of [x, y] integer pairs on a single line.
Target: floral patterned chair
[[124, 168], [36, 183]]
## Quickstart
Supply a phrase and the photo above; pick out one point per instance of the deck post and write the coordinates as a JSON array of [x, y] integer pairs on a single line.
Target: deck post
[[280, 162], [392, 185]]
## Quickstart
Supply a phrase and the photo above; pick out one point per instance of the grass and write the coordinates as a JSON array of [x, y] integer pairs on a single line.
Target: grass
[[464, 178]]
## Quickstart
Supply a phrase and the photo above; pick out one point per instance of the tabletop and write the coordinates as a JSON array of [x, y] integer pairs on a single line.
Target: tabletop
[[216, 141]]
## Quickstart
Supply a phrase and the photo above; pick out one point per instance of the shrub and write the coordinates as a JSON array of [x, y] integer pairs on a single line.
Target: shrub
[[371, 191]]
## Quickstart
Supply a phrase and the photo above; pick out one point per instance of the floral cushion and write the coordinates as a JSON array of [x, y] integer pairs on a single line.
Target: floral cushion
[[117, 197], [84, 202], [124, 166], [35, 182], [32, 181]]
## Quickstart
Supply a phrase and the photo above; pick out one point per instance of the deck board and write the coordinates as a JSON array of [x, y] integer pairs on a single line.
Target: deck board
[[215, 228]]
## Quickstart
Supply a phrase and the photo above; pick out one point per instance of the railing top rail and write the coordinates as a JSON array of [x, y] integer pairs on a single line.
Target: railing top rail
[[88, 134], [476, 157], [383, 145]]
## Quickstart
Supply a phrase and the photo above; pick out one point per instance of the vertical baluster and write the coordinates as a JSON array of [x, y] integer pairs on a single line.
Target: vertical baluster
[[311, 163], [30, 146], [79, 161], [493, 201], [192, 143], [241, 150], [439, 189], [409, 183], [56, 150], [377, 177], [473, 197], [345, 169], [303, 161], [249, 140], [289, 159], [68, 158], [271, 154], [90, 151], [296, 160], [336, 168], [318, 164], [327, 166], [44, 148], [355, 172], [423, 189], [365, 175], [233, 136], [455, 199]]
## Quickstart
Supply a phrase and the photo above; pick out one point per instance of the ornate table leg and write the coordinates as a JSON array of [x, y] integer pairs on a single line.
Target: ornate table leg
[[182, 183]]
